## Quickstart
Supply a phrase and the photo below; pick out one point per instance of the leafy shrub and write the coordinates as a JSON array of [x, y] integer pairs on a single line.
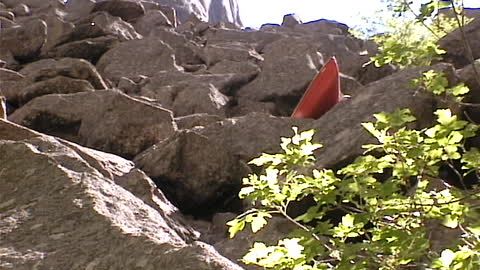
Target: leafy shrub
[[385, 219], [388, 198], [409, 44], [414, 42]]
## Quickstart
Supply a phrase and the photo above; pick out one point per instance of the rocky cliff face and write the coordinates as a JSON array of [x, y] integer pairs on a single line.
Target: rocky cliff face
[[213, 11], [129, 127]]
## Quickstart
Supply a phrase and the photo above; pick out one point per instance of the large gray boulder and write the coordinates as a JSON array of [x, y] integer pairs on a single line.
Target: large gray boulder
[[10, 82], [249, 135], [58, 29], [288, 67], [226, 66], [25, 41], [105, 120], [185, 49], [137, 57], [340, 130], [152, 19], [257, 39], [200, 169], [90, 49], [184, 98], [7, 60], [198, 174], [292, 61], [77, 9], [6, 22], [186, 93], [213, 11], [238, 52], [57, 85], [7, 15], [102, 24], [21, 10], [468, 76], [69, 67], [202, 98], [224, 11], [49, 76], [37, 4], [453, 43], [129, 11], [196, 120], [291, 20], [321, 27], [64, 210], [224, 82]]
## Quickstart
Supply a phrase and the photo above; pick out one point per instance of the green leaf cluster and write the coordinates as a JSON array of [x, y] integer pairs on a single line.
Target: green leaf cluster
[[377, 213], [386, 199], [414, 42], [407, 44], [437, 83]]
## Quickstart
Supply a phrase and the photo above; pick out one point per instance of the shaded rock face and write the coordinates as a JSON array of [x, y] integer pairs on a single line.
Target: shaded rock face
[[211, 179], [60, 203], [136, 57], [24, 42], [126, 10], [85, 119], [49, 76], [342, 143], [467, 75], [157, 112], [453, 43], [213, 11]]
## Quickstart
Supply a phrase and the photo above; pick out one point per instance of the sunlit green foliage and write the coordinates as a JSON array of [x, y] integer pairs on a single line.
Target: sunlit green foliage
[[413, 42], [386, 200], [437, 83], [407, 44]]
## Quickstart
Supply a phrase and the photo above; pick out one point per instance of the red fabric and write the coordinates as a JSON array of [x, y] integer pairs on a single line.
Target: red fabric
[[322, 94]]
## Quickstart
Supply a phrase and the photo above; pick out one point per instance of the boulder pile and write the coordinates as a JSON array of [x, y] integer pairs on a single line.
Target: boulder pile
[[126, 125]]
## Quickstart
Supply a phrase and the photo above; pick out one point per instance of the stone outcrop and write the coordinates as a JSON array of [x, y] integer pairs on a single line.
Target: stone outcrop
[[213, 11], [453, 43], [137, 57], [74, 203], [128, 11], [469, 77], [24, 42], [342, 142], [152, 19], [104, 120], [212, 177], [49, 76], [127, 125]]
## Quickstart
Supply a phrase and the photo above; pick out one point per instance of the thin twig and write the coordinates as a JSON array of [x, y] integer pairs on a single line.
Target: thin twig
[[458, 174], [466, 45], [469, 104], [314, 235], [467, 116], [417, 16]]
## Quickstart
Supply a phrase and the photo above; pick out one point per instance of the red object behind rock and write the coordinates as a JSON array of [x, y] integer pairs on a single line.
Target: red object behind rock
[[322, 94]]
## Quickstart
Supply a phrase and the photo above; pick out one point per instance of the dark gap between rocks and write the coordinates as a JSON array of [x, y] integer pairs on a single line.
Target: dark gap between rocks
[[227, 200], [56, 126]]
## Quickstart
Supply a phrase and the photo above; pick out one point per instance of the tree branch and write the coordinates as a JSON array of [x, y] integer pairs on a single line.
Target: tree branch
[[466, 45]]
